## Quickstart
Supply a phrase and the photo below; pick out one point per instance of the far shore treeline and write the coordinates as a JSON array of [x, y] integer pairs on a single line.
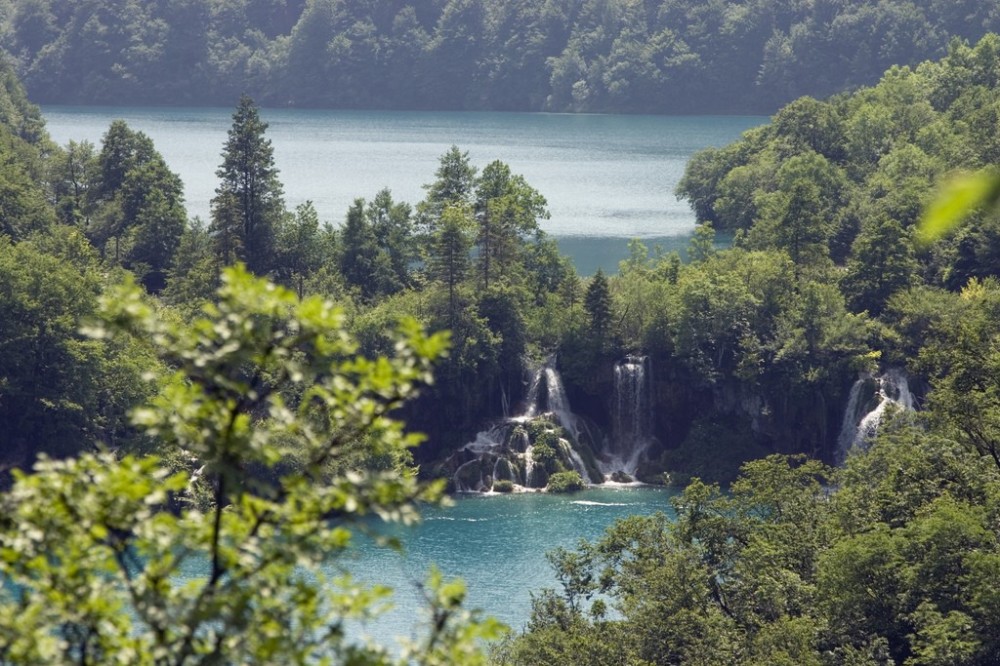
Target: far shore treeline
[[620, 56]]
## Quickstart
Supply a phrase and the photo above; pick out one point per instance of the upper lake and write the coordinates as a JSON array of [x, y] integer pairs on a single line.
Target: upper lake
[[607, 179]]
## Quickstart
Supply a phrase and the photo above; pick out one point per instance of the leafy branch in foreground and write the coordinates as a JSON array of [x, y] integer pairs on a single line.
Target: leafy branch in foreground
[[958, 198], [103, 561]]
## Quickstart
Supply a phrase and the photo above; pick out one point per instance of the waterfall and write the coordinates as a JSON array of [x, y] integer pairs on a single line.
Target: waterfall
[[529, 465], [508, 442], [531, 398], [632, 427], [867, 403], [574, 458], [558, 404]]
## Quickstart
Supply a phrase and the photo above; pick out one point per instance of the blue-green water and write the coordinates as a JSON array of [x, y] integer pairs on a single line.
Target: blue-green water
[[607, 178], [496, 543]]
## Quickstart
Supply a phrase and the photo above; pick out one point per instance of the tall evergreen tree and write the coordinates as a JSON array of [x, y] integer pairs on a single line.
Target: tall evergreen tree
[[135, 204], [455, 181], [598, 304], [881, 264], [360, 251], [393, 229], [449, 258], [249, 195]]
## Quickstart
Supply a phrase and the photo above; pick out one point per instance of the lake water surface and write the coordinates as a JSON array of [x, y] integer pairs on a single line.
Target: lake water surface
[[497, 543], [607, 178]]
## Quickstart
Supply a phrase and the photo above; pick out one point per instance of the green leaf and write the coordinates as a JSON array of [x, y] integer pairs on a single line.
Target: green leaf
[[957, 199]]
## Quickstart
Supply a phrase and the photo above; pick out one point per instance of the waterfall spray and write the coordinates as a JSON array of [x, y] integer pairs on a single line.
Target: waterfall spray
[[632, 422], [874, 394]]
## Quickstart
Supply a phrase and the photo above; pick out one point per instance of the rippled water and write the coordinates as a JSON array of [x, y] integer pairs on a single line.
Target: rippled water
[[497, 543]]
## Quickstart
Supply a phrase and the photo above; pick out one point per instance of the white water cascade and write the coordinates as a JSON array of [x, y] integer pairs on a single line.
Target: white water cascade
[[506, 448], [869, 399], [632, 417]]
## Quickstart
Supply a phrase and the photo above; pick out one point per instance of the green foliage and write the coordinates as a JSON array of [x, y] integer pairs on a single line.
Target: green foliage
[[61, 393], [449, 260], [546, 452], [507, 210], [958, 198], [963, 366], [713, 452], [126, 199], [565, 482], [881, 264], [101, 568], [666, 56], [453, 187], [597, 302], [845, 180], [503, 486]]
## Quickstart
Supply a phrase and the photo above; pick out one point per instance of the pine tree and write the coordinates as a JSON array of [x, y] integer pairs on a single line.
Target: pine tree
[[454, 186], [598, 304], [449, 259], [358, 260], [249, 195]]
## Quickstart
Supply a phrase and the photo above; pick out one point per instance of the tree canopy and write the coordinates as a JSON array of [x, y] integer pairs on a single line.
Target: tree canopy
[[654, 56]]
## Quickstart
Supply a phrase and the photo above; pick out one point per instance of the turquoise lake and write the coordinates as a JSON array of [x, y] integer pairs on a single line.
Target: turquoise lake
[[497, 544], [607, 179]]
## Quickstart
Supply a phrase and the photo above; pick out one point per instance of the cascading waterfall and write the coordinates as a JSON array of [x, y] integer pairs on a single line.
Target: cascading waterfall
[[632, 425], [867, 403], [505, 451], [506, 445], [574, 458], [558, 404], [531, 398]]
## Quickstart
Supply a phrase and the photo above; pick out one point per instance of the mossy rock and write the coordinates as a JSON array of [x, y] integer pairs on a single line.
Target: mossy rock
[[549, 438], [518, 439], [503, 486], [651, 472], [470, 475], [565, 482], [541, 426], [538, 477], [505, 471], [621, 477], [547, 456]]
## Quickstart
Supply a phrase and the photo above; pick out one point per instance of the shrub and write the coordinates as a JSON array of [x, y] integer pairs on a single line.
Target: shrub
[[565, 482], [503, 486]]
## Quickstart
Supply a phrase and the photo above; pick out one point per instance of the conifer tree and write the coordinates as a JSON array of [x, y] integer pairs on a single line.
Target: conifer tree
[[449, 260], [598, 304], [248, 203]]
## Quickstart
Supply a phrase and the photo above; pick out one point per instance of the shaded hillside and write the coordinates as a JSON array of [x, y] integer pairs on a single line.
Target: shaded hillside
[[650, 56]]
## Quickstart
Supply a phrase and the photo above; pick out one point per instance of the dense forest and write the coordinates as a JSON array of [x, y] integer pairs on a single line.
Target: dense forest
[[890, 558], [653, 56], [124, 333]]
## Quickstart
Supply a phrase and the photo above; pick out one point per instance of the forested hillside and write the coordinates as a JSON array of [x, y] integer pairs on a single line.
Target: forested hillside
[[892, 557], [197, 528], [649, 56]]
